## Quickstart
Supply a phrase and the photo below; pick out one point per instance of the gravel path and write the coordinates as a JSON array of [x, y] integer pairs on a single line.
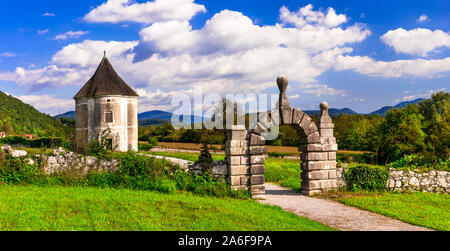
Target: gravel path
[[331, 213]]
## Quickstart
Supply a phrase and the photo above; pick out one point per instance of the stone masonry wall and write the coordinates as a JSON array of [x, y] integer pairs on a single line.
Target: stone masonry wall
[[433, 181]]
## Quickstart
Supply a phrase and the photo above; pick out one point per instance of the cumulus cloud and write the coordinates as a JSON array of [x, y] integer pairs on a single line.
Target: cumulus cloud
[[115, 11], [70, 34], [307, 16], [48, 14], [229, 54], [416, 42], [52, 105], [394, 69]]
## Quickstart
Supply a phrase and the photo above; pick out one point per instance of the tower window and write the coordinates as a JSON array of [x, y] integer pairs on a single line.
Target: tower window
[[109, 117]]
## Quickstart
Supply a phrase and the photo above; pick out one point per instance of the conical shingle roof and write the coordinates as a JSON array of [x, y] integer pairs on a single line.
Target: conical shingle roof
[[105, 81]]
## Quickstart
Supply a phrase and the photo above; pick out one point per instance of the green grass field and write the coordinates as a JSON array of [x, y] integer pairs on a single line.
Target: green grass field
[[95, 209], [422, 209]]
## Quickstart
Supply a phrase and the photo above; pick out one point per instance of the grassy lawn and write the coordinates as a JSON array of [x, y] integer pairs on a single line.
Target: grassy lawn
[[422, 209], [76, 208]]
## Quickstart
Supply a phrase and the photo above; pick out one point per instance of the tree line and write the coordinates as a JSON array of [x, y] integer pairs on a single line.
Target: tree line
[[422, 128]]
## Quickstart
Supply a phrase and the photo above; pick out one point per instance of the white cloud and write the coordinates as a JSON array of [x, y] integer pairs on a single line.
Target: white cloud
[[42, 32], [48, 14], [423, 18], [70, 34], [115, 11], [424, 95], [416, 42], [307, 16], [229, 54], [394, 69], [8, 54], [49, 103]]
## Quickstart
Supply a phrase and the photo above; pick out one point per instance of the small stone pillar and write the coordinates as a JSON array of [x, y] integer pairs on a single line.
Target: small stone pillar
[[245, 152], [319, 171], [237, 157]]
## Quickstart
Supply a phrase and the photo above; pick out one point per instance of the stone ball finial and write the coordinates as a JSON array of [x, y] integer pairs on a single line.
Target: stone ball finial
[[282, 82], [324, 106]]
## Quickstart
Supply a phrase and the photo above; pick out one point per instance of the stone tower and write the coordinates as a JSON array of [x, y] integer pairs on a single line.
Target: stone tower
[[107, 106]]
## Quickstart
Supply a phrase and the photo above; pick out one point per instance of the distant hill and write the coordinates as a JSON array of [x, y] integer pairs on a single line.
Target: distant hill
[[67, 115], [154, 117], [332, 111], [157, 117], [385, 109], [18, 118]]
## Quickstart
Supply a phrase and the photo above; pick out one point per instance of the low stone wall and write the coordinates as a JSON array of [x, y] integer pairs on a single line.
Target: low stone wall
[[219, 169], [433, 181], [63, 160]]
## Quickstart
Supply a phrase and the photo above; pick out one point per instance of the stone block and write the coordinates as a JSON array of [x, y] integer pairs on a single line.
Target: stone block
[[258, 179], [319, 156], [239, 187], [239, 170], [311, 139], [234, 180], [315, 175], [234, 160], [311, 148], [326, 132], [310, 129], [257, 169], [257, 159], [258, 189], [236, 143], [325, 125], [244, 160], [286, 114], [245, 180], [305, 122], [308, 192], [318, 165], [331, 155], [259, 197], [220, 170], [237, 134], [256, 140], [237, 151], [319, 184], [297, 116], [258, 150]]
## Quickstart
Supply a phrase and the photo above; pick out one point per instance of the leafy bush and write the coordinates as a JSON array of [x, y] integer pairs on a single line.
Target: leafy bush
[[17, 170], [153, 141], [366, 178], [362, 158], [36, 143], [418, 161], [145, 147]]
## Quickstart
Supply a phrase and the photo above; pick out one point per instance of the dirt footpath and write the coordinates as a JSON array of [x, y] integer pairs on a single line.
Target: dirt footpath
[[331, 213]]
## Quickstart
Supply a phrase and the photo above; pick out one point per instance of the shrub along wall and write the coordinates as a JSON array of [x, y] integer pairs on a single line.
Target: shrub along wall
[[433, 181]]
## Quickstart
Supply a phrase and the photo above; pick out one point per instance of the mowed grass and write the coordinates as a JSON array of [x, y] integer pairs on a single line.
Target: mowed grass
[[95, 209], [284, 172], [423, 209]]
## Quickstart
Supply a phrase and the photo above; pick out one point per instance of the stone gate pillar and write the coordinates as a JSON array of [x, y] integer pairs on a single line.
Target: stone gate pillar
[[318, 157], [245, 155]]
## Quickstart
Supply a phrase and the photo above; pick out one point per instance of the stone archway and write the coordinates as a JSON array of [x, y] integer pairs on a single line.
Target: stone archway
[[245, 150]]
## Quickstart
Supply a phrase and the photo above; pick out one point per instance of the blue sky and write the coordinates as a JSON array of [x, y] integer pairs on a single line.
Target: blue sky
[[356, 54]]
